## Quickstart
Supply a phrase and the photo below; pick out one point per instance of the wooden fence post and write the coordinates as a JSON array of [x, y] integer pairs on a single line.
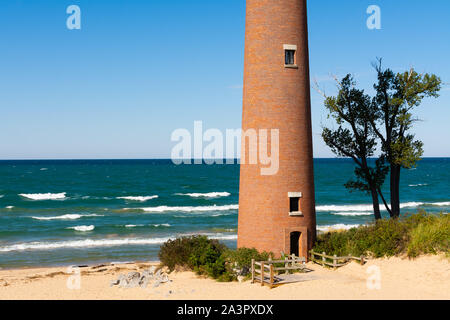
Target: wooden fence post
[[262, 273], [335, 262], [271, 275], [253, 270], [323, 259], [362, 260], [286, 264]]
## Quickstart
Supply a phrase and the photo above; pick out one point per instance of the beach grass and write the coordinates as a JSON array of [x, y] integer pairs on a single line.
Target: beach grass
[[411, 235]]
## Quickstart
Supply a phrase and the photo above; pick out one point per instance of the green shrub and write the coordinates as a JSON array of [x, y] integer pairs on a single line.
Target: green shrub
[[384, 238], [197, 253], [334, 242], [430, 236], [242, 258], [189, 252], [412, 234], [208, 257]]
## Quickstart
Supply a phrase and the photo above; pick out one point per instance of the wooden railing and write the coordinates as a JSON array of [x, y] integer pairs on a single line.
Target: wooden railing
[[264, 271], [334, 261]]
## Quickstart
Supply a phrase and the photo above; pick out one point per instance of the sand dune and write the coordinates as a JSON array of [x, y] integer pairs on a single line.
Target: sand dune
[[423, 278]]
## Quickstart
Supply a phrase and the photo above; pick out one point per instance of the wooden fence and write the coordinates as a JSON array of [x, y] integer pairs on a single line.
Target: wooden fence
[[265, 271], [334, 261]]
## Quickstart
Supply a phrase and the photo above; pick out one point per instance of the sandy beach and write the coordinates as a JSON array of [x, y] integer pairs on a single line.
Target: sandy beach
[[424, 278]]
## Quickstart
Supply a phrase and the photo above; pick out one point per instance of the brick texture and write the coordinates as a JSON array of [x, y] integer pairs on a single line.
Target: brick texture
[[276, 97]]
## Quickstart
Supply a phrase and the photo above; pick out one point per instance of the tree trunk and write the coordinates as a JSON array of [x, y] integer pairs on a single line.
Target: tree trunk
[[376, 203], [395, 190]]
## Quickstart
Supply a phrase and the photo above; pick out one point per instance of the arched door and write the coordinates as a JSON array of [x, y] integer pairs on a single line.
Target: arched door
[[295, 247]]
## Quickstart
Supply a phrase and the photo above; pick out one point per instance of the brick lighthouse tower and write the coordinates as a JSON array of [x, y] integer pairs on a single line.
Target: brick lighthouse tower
[[277, 212]]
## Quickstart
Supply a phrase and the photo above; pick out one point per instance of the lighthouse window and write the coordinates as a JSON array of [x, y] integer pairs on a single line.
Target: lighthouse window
[[294, 203], [289, 57]]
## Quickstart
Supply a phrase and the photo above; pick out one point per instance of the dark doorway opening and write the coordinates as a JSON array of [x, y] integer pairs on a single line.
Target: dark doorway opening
[[295, 243]]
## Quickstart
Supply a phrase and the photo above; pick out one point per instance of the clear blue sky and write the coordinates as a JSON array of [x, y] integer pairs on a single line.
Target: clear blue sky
[[137, 70]]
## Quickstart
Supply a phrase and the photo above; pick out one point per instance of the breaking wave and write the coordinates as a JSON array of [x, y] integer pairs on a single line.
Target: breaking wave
[[441, 204], [44, 196], [205, 195], [364, 207], [68, 217], [138, 198], [82, 228], [188, 209], [161, 225], [339, 226], [345, 208], [91, 243], [353, 213], [143, 225]]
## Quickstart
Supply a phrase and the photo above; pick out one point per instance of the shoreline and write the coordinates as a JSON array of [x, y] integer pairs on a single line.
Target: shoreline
[[81, 265], [426, 277]]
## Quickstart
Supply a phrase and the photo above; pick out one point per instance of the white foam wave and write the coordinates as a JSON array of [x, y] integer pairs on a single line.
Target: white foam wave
[[216, 236], [43, 169], [441, 204], [82, 228], [339, 226], [138, 198], [411, 204], [345, 208], [361, 207], [68, 217], [189, 209], [206, 195], [151, 225], [1, 196], [44, 196], [353, 213], [80, 244], [225, 237], [9, 207], [418, 185], [96, 243]]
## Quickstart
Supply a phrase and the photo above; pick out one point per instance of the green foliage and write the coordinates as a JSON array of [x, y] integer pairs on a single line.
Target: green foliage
[[415, 234], [208, 257], [386, 119], [242, 258], [431, 236], [354, 137], [396, 97], [191, 252]]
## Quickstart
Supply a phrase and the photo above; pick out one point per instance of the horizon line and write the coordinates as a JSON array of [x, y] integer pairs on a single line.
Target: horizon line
[[121, 159]]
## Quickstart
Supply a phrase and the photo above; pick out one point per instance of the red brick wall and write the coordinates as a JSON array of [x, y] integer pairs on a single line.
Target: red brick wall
[[276, 97]]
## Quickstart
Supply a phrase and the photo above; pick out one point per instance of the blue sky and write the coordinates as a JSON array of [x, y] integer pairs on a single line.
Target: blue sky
[[137, 70]]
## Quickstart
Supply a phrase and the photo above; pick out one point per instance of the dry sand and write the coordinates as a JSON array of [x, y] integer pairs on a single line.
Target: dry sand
[[423, 278]]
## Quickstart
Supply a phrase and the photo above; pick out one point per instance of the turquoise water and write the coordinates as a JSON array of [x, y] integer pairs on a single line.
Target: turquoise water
[[66, 212]]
